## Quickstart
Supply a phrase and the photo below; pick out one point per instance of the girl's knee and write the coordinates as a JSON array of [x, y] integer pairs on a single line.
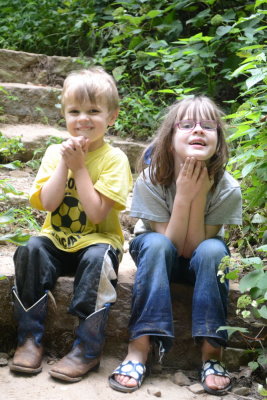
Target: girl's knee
[[154, 241], [211, 249]]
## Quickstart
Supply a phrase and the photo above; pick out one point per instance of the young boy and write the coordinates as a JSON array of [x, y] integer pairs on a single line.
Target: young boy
[[82, 183]]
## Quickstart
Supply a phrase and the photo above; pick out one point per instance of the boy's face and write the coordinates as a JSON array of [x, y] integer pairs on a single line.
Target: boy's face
[[89, 120]]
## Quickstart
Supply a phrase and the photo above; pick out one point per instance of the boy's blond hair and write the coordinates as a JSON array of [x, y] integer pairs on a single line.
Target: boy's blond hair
[[93, 84]]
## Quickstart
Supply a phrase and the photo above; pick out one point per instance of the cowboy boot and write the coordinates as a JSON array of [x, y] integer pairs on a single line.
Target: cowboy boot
[[86, 350], [29, 353]]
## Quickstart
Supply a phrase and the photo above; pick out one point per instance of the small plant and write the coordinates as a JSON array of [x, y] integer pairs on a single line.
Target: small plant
[[251, 303], [9, 232], [9, 148]]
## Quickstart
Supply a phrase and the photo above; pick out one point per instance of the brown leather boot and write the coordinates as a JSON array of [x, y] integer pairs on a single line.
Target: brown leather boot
[[28, 357], [74, 365], [86, 350]]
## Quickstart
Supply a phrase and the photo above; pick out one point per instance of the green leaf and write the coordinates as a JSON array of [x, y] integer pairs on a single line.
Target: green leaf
[[263, 312], [263, 282], [8, 188], [232, 274], [6, 219], [16, 238], [258, 219], [262, 360], [253, 365], [259, 3], [253, 80], [223, 30], [153, 13], [242, 69], [13, 165], [250, 280], [252, 261], [118, 72], [232, 329], [262, 248], [248, 168]]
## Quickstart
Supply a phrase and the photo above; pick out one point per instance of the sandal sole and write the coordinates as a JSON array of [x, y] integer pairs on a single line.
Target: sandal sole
[[120, 388]]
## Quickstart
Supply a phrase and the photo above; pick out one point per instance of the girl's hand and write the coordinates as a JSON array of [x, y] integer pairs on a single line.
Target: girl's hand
[[191, 177]]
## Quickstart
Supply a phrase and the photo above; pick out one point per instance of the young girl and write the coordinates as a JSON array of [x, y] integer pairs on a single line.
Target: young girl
[[183, 199]]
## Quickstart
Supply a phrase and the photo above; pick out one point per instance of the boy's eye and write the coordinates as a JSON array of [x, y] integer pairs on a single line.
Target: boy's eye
[[73, 112], [93, 111]]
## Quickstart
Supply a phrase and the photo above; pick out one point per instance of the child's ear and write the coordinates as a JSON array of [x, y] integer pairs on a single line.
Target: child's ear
[[113, 116]]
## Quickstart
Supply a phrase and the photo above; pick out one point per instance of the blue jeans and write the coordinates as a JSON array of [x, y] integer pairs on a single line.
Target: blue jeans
[[39, 264], [158, 264]]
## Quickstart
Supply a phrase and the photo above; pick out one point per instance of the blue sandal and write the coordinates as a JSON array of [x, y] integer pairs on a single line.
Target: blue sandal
[[132, 369], [214, 367]]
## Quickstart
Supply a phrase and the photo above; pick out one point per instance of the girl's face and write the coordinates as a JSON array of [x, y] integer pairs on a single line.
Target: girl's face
[[88, 120], [194, 137]]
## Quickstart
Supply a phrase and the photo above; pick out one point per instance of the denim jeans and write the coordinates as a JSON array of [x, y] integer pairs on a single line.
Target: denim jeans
[[39, 264], [158, 264]]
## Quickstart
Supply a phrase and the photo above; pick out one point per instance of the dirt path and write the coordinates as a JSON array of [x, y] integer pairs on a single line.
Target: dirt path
[[94, 386]]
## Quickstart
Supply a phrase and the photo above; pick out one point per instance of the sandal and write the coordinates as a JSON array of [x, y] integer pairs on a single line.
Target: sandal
[[132, 369], [214, 367]]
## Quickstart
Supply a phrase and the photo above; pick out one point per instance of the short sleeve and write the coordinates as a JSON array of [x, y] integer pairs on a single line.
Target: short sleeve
[[47, 167], [149, 201], [115, 180], [225, 206]]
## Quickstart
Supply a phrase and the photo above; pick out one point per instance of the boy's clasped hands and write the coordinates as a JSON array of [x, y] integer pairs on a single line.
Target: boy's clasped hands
[[74, 150]]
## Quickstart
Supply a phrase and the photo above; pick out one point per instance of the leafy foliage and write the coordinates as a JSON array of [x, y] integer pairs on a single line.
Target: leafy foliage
[[161, 51], [9, 148], [251, 305], [9, 230]]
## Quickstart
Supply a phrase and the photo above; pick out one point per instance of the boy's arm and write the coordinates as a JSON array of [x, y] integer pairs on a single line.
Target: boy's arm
[[52, 192], [95, 205]]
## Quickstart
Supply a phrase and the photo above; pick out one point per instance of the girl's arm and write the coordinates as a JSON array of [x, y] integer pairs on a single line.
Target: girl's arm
[[197, 230], [53, 191], [188, 184], [95, 205]]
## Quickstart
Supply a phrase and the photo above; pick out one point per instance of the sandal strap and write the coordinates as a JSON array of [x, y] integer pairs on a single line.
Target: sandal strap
[[133, 369], [213, 367]]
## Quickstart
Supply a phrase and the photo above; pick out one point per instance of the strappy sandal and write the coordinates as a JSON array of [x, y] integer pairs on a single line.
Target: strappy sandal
[[132, 369], [214, 367]]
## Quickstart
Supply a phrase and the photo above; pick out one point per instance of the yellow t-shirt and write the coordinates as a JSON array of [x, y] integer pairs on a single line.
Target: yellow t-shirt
[[68, 226]]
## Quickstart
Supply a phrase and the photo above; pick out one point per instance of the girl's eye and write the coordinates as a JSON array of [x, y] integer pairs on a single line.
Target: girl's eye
[[93, 111], [73, 112]]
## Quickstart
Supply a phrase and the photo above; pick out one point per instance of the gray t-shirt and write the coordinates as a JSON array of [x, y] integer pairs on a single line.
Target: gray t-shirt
[[155, 202]]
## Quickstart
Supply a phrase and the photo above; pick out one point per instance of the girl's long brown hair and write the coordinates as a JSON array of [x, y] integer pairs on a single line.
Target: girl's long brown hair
[[161, 168]]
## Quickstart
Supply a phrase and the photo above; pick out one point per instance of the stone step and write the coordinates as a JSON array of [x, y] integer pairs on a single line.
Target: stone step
[[29, 103], [39, 69], [35, 136], [60, 325]]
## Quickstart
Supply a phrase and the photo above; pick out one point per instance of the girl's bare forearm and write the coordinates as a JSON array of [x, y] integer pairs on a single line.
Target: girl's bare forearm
[[196, 226], [177, 227]]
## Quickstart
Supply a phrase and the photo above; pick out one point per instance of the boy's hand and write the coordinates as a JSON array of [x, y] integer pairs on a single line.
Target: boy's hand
[[73, 152], [81, 141]]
